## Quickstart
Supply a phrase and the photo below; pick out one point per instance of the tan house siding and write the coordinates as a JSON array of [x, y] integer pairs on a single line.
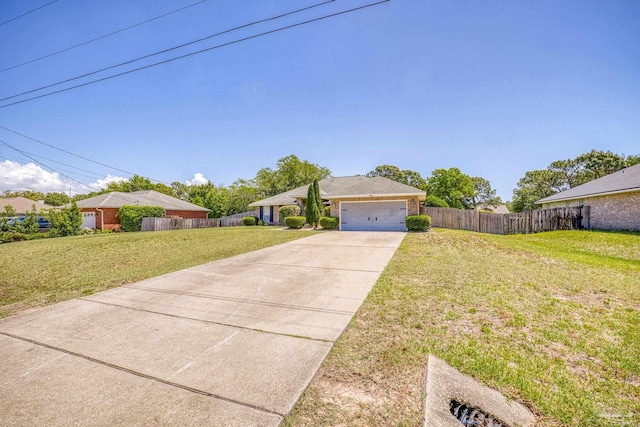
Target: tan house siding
[[413, 204], [611, 212]]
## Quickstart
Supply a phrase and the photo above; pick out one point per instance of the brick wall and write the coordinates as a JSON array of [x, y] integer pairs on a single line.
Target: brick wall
[[613, 212], [186, 214], [413, 204], [111, 219]]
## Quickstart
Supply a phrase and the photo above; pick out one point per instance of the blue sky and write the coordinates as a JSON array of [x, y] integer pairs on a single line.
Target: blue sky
[[495, 88]]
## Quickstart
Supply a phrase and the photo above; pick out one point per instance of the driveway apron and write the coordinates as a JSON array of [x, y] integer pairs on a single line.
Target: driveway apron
[[231, 342]]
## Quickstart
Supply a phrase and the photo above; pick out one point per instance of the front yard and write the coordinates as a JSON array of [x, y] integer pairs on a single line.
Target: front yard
[[551, 320], [40, 272]]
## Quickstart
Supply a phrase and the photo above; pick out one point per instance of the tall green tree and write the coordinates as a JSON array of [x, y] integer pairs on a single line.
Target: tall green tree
[[56, 199], [290, 173], [535, 185], [313, 208], [452, 186], [404, 176], [483, 193]]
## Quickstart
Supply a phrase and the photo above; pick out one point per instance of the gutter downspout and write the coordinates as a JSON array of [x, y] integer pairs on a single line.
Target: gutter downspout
[[101, 218]]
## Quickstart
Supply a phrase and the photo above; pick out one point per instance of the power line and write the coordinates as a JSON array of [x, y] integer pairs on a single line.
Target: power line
[[166, 50], [95, 175], [75, 155], [46, 166], [26, 13], [102, 37]]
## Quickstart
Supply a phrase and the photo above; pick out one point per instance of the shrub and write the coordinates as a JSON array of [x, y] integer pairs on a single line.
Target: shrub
[[295, 221], [14, 237], [329, 222], [418, 222], [436, 202], [86, 231], [260, 222], [249, 220], [288, 210], [326, 211], [66, 221], [131, 216]]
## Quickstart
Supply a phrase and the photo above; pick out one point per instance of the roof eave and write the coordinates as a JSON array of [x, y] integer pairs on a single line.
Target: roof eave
[[421, 196], [584, 196]]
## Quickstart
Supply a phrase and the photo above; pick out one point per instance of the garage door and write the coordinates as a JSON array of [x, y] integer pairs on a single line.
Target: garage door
[[373, 216]]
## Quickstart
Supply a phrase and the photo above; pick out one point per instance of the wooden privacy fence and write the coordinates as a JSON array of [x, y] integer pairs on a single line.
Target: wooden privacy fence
[[513, 223], [161, 224], [235, 220]]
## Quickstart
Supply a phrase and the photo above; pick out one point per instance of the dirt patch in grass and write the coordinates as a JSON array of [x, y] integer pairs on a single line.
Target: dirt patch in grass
[[545, 323], [40, 272]]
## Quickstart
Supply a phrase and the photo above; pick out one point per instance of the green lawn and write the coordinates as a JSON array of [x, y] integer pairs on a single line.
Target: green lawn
[[551, 320], [40, 272]]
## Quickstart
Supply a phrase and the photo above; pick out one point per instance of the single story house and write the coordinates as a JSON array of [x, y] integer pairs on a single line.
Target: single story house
[[22, 205], [614, 200], [102, 211], [361, 202]]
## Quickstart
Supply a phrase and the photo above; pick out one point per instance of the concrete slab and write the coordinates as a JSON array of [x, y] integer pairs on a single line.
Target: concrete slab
[[44, 387], [173, 349], [244, 336]]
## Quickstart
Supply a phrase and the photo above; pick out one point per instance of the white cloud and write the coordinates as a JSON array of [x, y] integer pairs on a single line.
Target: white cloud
[[198, 179], [16, 176]]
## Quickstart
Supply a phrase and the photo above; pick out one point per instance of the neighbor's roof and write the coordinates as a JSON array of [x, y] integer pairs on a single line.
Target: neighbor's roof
[[22, 205], [117, 199], [623, 181], [346, 187]]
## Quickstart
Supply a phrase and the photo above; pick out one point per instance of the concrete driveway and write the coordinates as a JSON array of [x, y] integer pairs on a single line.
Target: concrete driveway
[[232, 342]]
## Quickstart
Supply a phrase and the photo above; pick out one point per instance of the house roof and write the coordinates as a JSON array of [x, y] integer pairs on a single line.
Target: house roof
[[22, 205], [346, 187], [622, 181], [117, 199]]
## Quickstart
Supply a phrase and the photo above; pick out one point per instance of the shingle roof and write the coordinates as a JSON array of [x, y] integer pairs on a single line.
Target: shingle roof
[[140, 198], [624, 180], [22, 205], [347, 186]]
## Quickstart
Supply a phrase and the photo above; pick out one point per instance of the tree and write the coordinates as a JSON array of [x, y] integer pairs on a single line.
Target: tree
[[56, 199], [290, 173], [483, 194], [5, 215], [138, 183], [313, 208], [451, 185], [217, 199], [535, 185], [394, 173]]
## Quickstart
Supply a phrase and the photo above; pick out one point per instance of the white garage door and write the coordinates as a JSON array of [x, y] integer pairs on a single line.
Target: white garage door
[[373, 216], [88, 220]]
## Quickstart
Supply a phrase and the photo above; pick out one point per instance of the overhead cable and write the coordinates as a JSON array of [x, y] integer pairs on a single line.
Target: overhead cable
[[26, 13], [102, 37], [166, 50]]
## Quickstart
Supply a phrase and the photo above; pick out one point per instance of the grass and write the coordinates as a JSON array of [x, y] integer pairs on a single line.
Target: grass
[[41, 272], [550, 320]]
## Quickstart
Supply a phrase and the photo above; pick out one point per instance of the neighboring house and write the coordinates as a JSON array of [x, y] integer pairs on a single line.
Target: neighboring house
[[614, 200], [102, 211], [361, 202], [22, 205]]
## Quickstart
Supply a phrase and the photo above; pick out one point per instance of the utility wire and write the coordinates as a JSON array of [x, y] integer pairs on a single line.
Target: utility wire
[[95, 175], [16, 159], [75, 155], [46, 166], [26, 13], [166, 50], [102, 37]]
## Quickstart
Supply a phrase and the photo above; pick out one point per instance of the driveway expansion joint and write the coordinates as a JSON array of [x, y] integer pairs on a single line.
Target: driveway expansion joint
[[139, 374]]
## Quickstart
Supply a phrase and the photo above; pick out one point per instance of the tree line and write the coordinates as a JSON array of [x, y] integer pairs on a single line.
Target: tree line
[[444, 187]]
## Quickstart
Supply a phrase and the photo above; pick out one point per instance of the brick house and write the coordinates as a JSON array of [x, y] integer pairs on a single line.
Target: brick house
[[361, 202], [614, 200], [102, 211]]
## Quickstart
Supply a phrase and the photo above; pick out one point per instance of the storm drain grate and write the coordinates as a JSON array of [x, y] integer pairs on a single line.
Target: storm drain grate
[[472, 417]]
